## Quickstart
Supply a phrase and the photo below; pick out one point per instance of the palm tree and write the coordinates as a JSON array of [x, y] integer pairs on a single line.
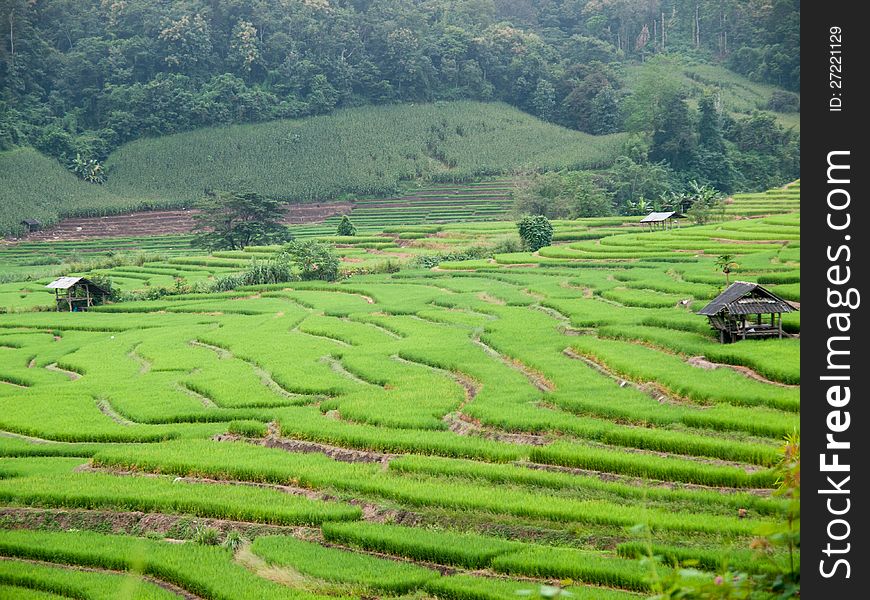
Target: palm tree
[[726, 263]]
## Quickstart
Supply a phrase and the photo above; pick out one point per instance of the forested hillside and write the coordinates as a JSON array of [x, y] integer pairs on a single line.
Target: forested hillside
[[88, 75], [80, 80]]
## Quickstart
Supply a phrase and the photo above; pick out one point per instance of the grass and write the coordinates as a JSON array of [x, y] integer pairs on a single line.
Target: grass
[[341, 566], [577, 565], [245, 463], [674, 374], [454, 404], [357, 151], [717, 560], [241, 503], [206, 571], [649, 466], [443, 547], [537, 478], [469, 587], [69, 583]]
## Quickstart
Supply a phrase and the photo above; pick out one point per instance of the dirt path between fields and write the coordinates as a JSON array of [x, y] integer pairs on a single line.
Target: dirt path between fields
[[72, 375], [536, 378], [702, 363]]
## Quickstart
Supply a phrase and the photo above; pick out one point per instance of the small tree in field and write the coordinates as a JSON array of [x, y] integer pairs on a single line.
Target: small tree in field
[[726, 263], [346, 226], [536, 232], [233, 220], [315, 260]]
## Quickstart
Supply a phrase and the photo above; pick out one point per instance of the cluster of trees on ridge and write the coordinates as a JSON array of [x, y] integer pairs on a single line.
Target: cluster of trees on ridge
[[79, 78]]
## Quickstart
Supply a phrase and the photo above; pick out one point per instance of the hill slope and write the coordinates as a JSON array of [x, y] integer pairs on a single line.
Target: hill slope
[[738, 94], [361, 151]]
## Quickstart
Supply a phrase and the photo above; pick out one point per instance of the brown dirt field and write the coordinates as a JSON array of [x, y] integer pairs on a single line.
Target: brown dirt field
[[165, 222]]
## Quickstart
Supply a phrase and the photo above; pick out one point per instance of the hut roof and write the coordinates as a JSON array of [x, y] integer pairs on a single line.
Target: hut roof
[[30, 222], [744, 298], [65, 283], [657, 217]]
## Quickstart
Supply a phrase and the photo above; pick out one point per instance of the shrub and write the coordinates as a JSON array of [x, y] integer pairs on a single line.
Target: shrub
[[536, 232], [315, 260], [782, 101], [345, 226], [206, 536]]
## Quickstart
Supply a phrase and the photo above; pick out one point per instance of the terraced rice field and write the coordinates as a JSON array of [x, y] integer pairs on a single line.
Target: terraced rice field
[[783, 200], [432, 203], [470, 431]]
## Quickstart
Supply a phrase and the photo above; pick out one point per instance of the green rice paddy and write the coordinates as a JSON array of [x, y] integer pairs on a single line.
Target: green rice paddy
[[474, 430]]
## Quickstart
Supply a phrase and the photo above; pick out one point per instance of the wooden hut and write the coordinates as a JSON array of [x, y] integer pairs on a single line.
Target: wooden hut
[[75, 294], [661, 220], [746, 310], [31, 225]]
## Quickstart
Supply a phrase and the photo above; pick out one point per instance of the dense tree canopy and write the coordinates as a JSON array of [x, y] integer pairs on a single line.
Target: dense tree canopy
[[84, 76]]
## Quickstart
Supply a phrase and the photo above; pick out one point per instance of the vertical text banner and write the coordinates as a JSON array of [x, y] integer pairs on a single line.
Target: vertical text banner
[[835, 345]]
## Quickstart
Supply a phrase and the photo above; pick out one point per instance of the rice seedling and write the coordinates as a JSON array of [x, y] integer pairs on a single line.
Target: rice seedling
[[341, 566]]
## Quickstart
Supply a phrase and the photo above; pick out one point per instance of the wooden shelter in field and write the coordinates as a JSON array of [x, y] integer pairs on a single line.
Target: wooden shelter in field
[[31, 225], [76, 294], [662, 220], [746, 310]]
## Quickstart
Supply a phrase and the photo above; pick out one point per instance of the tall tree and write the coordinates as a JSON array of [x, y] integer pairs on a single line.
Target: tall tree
[[235, 220], [673, 139], [714, 164]]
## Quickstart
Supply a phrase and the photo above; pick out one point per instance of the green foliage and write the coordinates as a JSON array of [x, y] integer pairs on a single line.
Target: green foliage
[[235, 220], [252, 429], [532, 398], [443, 547], [88, 169], [562, 195], [631, 182], [673, 139], [761, 579], [359, 151], [163, 495], [346, 227], [535, 231], [341, 566], [314, 260], [71, 583], [277, 269], [781, 101], [648, 466], [578, 565], [704, 202], [206, 571], [468, 587], [206, 536], [233, 541]]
